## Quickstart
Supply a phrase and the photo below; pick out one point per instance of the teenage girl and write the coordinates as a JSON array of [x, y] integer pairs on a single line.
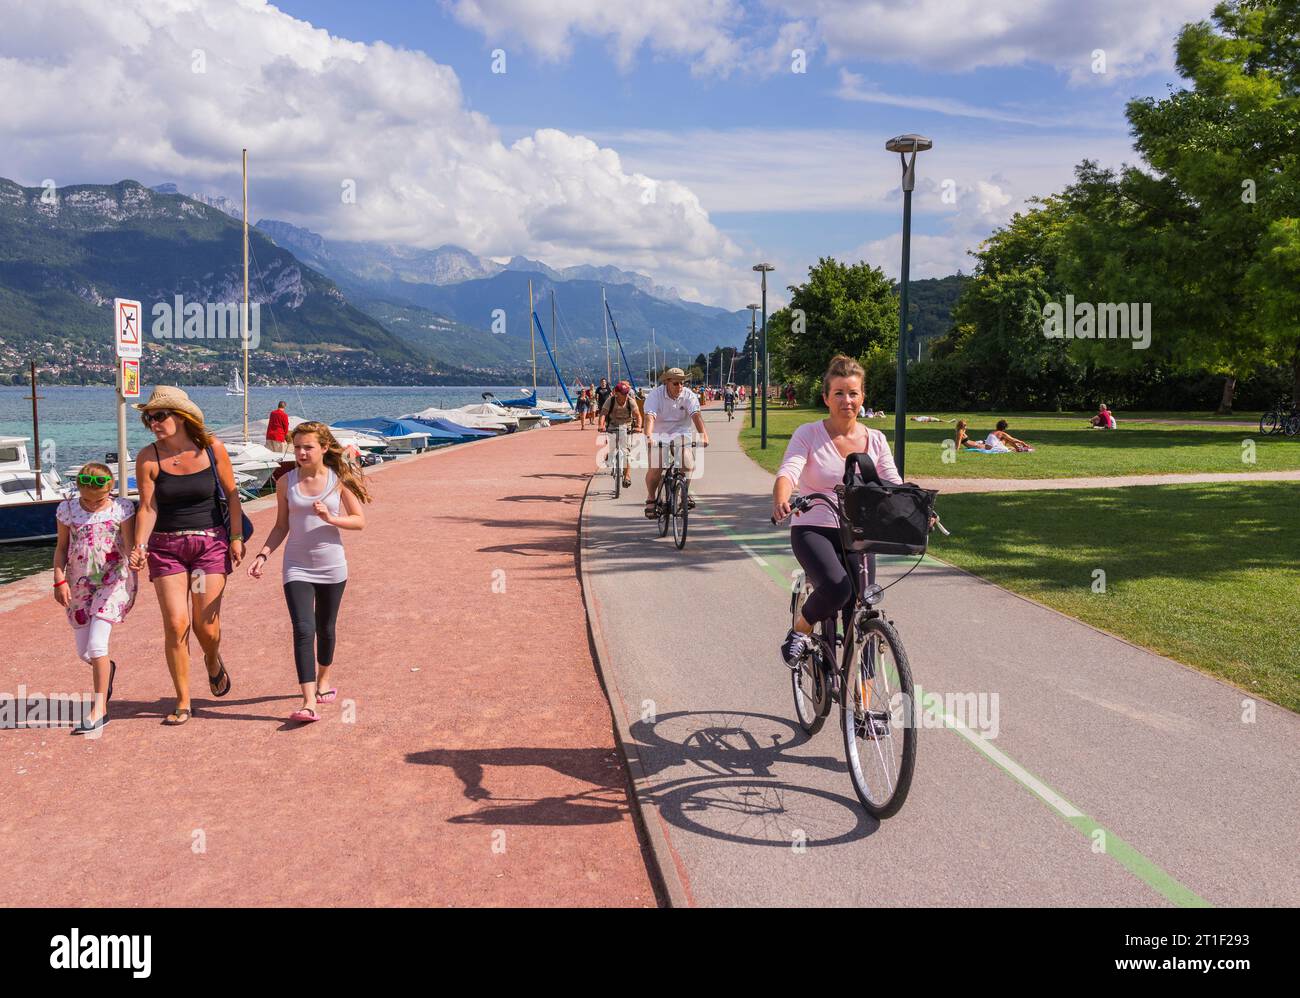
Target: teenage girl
[[91, 579], [319, 497]]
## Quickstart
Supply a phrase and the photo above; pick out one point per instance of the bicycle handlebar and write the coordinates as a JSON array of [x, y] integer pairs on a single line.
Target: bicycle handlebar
[[801, 504]]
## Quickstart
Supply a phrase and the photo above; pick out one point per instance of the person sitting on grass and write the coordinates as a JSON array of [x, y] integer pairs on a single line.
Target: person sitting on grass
[[965, 441], [1002, 442], [1104, 420]]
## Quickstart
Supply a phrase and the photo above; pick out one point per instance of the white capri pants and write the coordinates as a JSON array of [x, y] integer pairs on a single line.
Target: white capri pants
[[92, 639]]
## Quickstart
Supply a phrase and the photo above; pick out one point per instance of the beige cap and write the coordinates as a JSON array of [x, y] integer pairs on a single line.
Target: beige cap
[[675, 372], [170, 397]]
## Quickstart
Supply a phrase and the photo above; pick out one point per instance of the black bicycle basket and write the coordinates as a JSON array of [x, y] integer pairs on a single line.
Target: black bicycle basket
[[883, 518]]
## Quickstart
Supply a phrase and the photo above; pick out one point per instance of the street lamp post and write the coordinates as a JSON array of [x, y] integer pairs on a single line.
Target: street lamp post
[[764, 269], [753, 365], [904, 144]]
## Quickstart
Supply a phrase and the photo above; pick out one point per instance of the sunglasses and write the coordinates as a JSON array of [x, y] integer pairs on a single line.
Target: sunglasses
[[99, 481], [157, 415]]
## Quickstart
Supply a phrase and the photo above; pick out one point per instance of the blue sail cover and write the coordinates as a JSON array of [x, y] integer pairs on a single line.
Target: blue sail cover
[[386, 427], [451, 429], [525, 402]]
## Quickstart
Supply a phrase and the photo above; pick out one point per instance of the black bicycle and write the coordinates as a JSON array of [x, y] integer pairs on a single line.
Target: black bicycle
[[1283, 418], [730, 406], [672, 498], [871, 681]]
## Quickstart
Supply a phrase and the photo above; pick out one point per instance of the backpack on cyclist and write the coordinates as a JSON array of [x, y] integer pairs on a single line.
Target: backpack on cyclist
[[883, 518]]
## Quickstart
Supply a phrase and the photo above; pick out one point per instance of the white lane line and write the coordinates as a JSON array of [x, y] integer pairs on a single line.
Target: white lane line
[[753, 554], [1027, 779]]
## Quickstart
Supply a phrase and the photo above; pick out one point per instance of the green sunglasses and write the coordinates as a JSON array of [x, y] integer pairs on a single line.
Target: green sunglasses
[[99, 481]]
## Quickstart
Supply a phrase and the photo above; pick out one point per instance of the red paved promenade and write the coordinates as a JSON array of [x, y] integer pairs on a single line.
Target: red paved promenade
[[480, 769]]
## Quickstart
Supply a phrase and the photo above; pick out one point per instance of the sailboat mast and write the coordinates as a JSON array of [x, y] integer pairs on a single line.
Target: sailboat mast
[[244, 315], [604, 318], [555, 336], [532, 336]]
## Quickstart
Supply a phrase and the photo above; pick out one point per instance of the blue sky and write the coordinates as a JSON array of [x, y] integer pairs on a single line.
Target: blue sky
[[666, 136]]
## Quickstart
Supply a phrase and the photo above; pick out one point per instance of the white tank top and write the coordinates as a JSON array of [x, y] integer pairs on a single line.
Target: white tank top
[[313, 551]]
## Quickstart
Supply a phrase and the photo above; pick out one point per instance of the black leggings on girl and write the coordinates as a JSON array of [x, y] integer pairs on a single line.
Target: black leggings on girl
[[313, 607], [817, 549]]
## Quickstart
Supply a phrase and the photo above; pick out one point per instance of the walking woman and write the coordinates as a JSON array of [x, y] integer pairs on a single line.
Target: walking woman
[[91, 579], [180, 534], [319, 497], [814, 462]]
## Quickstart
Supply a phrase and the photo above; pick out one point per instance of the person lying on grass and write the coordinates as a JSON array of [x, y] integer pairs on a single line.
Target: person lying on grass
[[1002, 442]]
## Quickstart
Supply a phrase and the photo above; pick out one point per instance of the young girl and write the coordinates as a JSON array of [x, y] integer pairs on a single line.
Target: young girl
[[319, 497], [91, 578]]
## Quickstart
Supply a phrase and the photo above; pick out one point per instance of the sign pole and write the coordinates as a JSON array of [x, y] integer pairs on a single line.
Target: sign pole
[[123, 469]]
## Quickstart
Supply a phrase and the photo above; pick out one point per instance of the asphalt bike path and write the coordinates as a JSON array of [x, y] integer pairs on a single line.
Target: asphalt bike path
[[1109, 775]]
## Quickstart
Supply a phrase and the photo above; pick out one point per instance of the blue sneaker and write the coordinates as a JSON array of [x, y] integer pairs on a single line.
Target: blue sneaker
[[795, 646]]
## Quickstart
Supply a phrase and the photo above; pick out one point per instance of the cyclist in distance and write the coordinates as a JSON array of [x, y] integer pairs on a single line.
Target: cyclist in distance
[[620, 410], [729, 399], [671, 410], [814, 462]]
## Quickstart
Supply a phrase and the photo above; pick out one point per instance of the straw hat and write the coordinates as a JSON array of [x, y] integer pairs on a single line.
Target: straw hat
[[676, 373], [169, 397]]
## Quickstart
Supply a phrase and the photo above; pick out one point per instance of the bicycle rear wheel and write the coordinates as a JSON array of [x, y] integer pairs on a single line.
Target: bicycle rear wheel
[[665, 506], [681, 511], [1291, 425], [1269, 423], [878, 720]]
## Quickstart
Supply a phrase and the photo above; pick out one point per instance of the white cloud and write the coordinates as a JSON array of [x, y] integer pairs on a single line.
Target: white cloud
[[979, 209], [696, 30], [98, 93], [955, 35], [958, 35]]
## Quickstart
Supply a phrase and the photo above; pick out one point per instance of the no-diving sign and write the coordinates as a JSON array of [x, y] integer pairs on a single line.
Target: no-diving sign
[[126, 327]]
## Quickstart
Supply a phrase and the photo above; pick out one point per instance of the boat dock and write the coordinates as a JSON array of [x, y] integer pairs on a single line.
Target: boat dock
[[469, 759]]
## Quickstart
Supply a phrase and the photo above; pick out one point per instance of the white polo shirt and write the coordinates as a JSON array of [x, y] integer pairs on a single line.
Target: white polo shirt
[[672, 416]]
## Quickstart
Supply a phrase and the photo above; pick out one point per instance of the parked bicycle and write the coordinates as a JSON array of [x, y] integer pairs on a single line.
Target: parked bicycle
[[1282, 418], [870, 678], [672, 499]]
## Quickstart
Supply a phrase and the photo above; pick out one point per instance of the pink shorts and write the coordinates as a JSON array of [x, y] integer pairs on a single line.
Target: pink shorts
[[172, 554]]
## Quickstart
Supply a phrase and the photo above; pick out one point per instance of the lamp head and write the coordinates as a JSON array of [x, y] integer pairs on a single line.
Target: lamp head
[[763, 267], [909, 143]]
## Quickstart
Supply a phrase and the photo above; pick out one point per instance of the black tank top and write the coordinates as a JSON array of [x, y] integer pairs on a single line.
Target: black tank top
[[186, 502]]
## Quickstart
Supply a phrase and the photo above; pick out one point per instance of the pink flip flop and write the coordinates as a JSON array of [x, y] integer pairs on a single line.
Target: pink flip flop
[[327, 697], [305, 715]]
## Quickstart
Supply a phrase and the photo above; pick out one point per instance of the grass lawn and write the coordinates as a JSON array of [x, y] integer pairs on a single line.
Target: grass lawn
[[1063, 448], [1205, 574]]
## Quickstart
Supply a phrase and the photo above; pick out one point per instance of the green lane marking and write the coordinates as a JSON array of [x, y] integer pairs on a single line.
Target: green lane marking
[[777, 548]]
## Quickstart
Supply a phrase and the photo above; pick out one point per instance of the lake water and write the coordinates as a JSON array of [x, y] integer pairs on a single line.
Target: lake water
[[81, 424]]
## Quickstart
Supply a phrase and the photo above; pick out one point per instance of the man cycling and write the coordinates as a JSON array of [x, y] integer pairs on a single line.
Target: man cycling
[[620, 412], [729, 400], [670, 411]]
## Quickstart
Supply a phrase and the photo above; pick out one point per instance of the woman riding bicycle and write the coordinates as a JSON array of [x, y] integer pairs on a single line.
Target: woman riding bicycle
[[814, 462]]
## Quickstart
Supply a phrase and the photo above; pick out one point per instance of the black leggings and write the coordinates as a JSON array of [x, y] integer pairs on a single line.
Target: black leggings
[[313, 607], [817, 549]]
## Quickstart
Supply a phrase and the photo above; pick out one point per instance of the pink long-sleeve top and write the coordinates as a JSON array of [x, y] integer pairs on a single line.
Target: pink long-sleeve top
[[814, 464]]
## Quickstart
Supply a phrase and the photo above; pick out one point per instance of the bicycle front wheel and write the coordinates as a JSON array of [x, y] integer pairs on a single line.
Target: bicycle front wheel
[[1291, 425], [617, 465], [680, 513], [1268, 423], [878, 713]]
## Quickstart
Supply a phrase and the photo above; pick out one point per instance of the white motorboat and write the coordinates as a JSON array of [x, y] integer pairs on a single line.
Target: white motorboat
[[234, 435], [26, 514], [475, 421]]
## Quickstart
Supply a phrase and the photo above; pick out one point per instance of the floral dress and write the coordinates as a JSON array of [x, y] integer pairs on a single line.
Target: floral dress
[[99, 582]]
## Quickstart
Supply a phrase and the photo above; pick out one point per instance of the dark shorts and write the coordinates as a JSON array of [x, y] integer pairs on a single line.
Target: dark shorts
[[172, 554]]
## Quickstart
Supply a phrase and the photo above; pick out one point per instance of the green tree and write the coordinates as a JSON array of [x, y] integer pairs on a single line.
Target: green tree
[[1208, 231], [841, 308]]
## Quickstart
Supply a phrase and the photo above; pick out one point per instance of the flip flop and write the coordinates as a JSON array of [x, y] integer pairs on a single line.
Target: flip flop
[[304, 714], [182, 717], [214, 682], [328, 696]]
